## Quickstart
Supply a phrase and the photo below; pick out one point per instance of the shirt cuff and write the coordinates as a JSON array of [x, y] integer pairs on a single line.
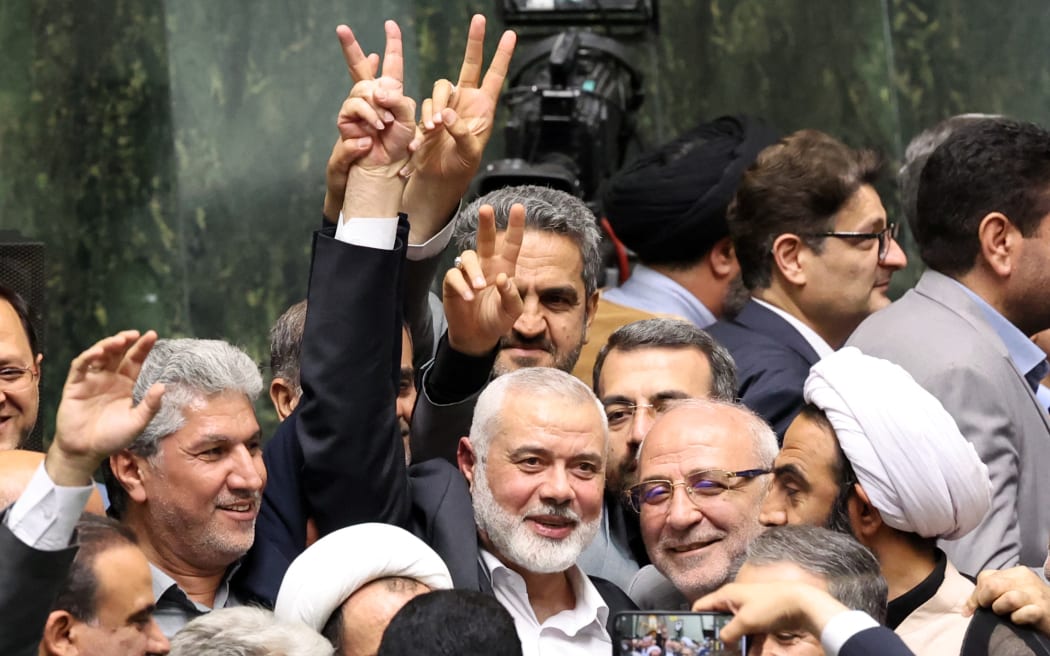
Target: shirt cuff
[[842, 627], [432, 246], [371, 233], [45, 516]]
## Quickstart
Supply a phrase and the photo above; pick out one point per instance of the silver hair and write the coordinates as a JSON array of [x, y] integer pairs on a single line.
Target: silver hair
[[191, 369], [531, 381], [546, 209], [852, 573], [763, 439], [247, 631]]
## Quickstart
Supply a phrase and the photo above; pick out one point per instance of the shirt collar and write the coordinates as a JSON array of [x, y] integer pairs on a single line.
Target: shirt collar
[[1023, 352], [164, 585], [645, 282], [589, 602], [822, 348]]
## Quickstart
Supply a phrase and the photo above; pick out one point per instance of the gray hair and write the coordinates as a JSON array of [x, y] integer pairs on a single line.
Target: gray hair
[[286, 344], [190, 369], [531, 381], [546, 209], [919, 150], [763, 439], [247, 631], [852, 573], [674, 333]]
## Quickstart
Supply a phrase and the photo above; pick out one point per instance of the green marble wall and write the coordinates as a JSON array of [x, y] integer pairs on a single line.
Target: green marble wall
[[171, 154]]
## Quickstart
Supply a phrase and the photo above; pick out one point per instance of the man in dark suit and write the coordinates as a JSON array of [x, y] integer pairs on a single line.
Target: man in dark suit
[[816, 251]]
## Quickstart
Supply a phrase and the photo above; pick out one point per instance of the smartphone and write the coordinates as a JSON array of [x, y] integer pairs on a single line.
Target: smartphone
[[675, 632]]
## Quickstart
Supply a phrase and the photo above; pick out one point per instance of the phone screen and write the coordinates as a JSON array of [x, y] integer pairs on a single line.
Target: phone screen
[[673, 632]]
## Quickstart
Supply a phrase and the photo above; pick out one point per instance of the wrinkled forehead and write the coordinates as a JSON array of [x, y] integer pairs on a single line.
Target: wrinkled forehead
[[555, 422]]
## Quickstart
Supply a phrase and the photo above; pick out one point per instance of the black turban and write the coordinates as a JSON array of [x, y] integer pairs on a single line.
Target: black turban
[[669, 205]]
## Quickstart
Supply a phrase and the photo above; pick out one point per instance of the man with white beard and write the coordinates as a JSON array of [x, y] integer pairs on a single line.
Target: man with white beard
[[535, 462]]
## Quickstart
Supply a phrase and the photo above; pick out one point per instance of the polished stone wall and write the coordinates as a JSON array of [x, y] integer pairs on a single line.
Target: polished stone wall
[[171, 154]]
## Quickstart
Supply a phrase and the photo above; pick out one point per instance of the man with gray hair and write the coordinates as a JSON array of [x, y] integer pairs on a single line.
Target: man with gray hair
[[830, 561], [190, 485], [555, 267], [248, 631]]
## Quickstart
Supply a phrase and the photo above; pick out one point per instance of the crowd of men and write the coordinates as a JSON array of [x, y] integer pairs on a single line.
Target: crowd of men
[[857, 476]]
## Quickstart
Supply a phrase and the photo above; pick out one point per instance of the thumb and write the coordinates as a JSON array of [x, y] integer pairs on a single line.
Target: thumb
[[150, 404], [510, 299], [460, 132]]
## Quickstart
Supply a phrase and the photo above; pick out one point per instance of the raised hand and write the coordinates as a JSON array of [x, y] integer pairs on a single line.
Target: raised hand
[[770, 607], [456, 123], [97, 416], [377, 107], [480, 298], [1017, 593]]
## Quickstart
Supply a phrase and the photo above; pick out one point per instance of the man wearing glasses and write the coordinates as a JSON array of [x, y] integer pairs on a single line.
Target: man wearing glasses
[[19, 371], [817, 252], [703, 472]]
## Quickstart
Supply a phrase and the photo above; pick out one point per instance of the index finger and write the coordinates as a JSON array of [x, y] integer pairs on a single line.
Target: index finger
[[356, 62], [393, 58], [486, 245], [470, 72], [497, 72]]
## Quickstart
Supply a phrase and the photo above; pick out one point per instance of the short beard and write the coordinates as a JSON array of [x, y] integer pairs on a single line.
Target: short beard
[[838, 519], [515, 542], [737, 296]]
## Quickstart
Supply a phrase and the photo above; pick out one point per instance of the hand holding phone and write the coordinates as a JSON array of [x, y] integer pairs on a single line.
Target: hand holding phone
[[652, 633]]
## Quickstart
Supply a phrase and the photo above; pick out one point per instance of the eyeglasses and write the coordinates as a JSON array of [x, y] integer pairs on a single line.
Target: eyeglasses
[[621, 415], [698, 485], [884, 236], [16, 378]]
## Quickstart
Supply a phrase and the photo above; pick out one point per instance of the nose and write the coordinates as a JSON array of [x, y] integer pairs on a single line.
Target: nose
[[895, 257], [248, 471], [773, 512], [556, 488], [641, 422], [531, 322], [156, 643], [682, 513]]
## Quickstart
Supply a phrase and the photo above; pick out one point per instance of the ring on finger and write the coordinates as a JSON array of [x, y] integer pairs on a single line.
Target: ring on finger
[[458, 263]]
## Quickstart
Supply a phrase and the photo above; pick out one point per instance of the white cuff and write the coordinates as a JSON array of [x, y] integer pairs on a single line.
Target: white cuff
[[432, 246], [842, 627], [45, 515], [371, 233]]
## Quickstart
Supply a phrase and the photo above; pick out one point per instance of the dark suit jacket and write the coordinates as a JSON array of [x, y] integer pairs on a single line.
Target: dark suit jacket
[[876, 641], [29, 581], [339, 458], [772, 362]]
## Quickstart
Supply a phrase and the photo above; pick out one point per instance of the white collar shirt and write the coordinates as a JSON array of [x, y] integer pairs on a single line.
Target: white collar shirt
[[822, 348], [577, 631]]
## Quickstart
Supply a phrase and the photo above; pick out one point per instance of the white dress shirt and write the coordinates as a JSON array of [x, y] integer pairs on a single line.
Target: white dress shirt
[[812, 338], [577, 631]]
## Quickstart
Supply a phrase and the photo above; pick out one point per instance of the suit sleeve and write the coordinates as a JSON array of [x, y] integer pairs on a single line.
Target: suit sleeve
[[774, 389], [353, 457], [31, 579], [876, 641]]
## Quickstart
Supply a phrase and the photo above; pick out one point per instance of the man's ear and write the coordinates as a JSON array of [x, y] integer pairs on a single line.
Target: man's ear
[[864, 518], [591, 309], [1000, 242], [467, 460], [58, 634], [284, 396], [722, 259], [127, 469], [790, 254]]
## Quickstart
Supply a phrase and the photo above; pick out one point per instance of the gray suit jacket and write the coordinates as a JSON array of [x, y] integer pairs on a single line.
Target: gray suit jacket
[[937, 333]]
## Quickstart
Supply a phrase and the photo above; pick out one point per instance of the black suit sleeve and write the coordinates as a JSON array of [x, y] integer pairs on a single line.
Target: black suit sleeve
[[30, 579], [876, 641], [353, 457]]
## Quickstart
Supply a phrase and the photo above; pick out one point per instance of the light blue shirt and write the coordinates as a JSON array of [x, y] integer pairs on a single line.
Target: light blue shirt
[[1023, 352], [654, 292]]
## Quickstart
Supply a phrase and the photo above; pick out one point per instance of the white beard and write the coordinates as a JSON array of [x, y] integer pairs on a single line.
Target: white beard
[[515, 542]]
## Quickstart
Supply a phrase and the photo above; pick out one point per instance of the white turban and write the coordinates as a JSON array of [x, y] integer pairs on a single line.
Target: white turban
[[337, 565], [917, 469]]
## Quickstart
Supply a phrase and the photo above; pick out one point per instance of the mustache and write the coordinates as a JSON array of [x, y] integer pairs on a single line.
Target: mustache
[[517, 340], [550, 510], [255, 498]]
